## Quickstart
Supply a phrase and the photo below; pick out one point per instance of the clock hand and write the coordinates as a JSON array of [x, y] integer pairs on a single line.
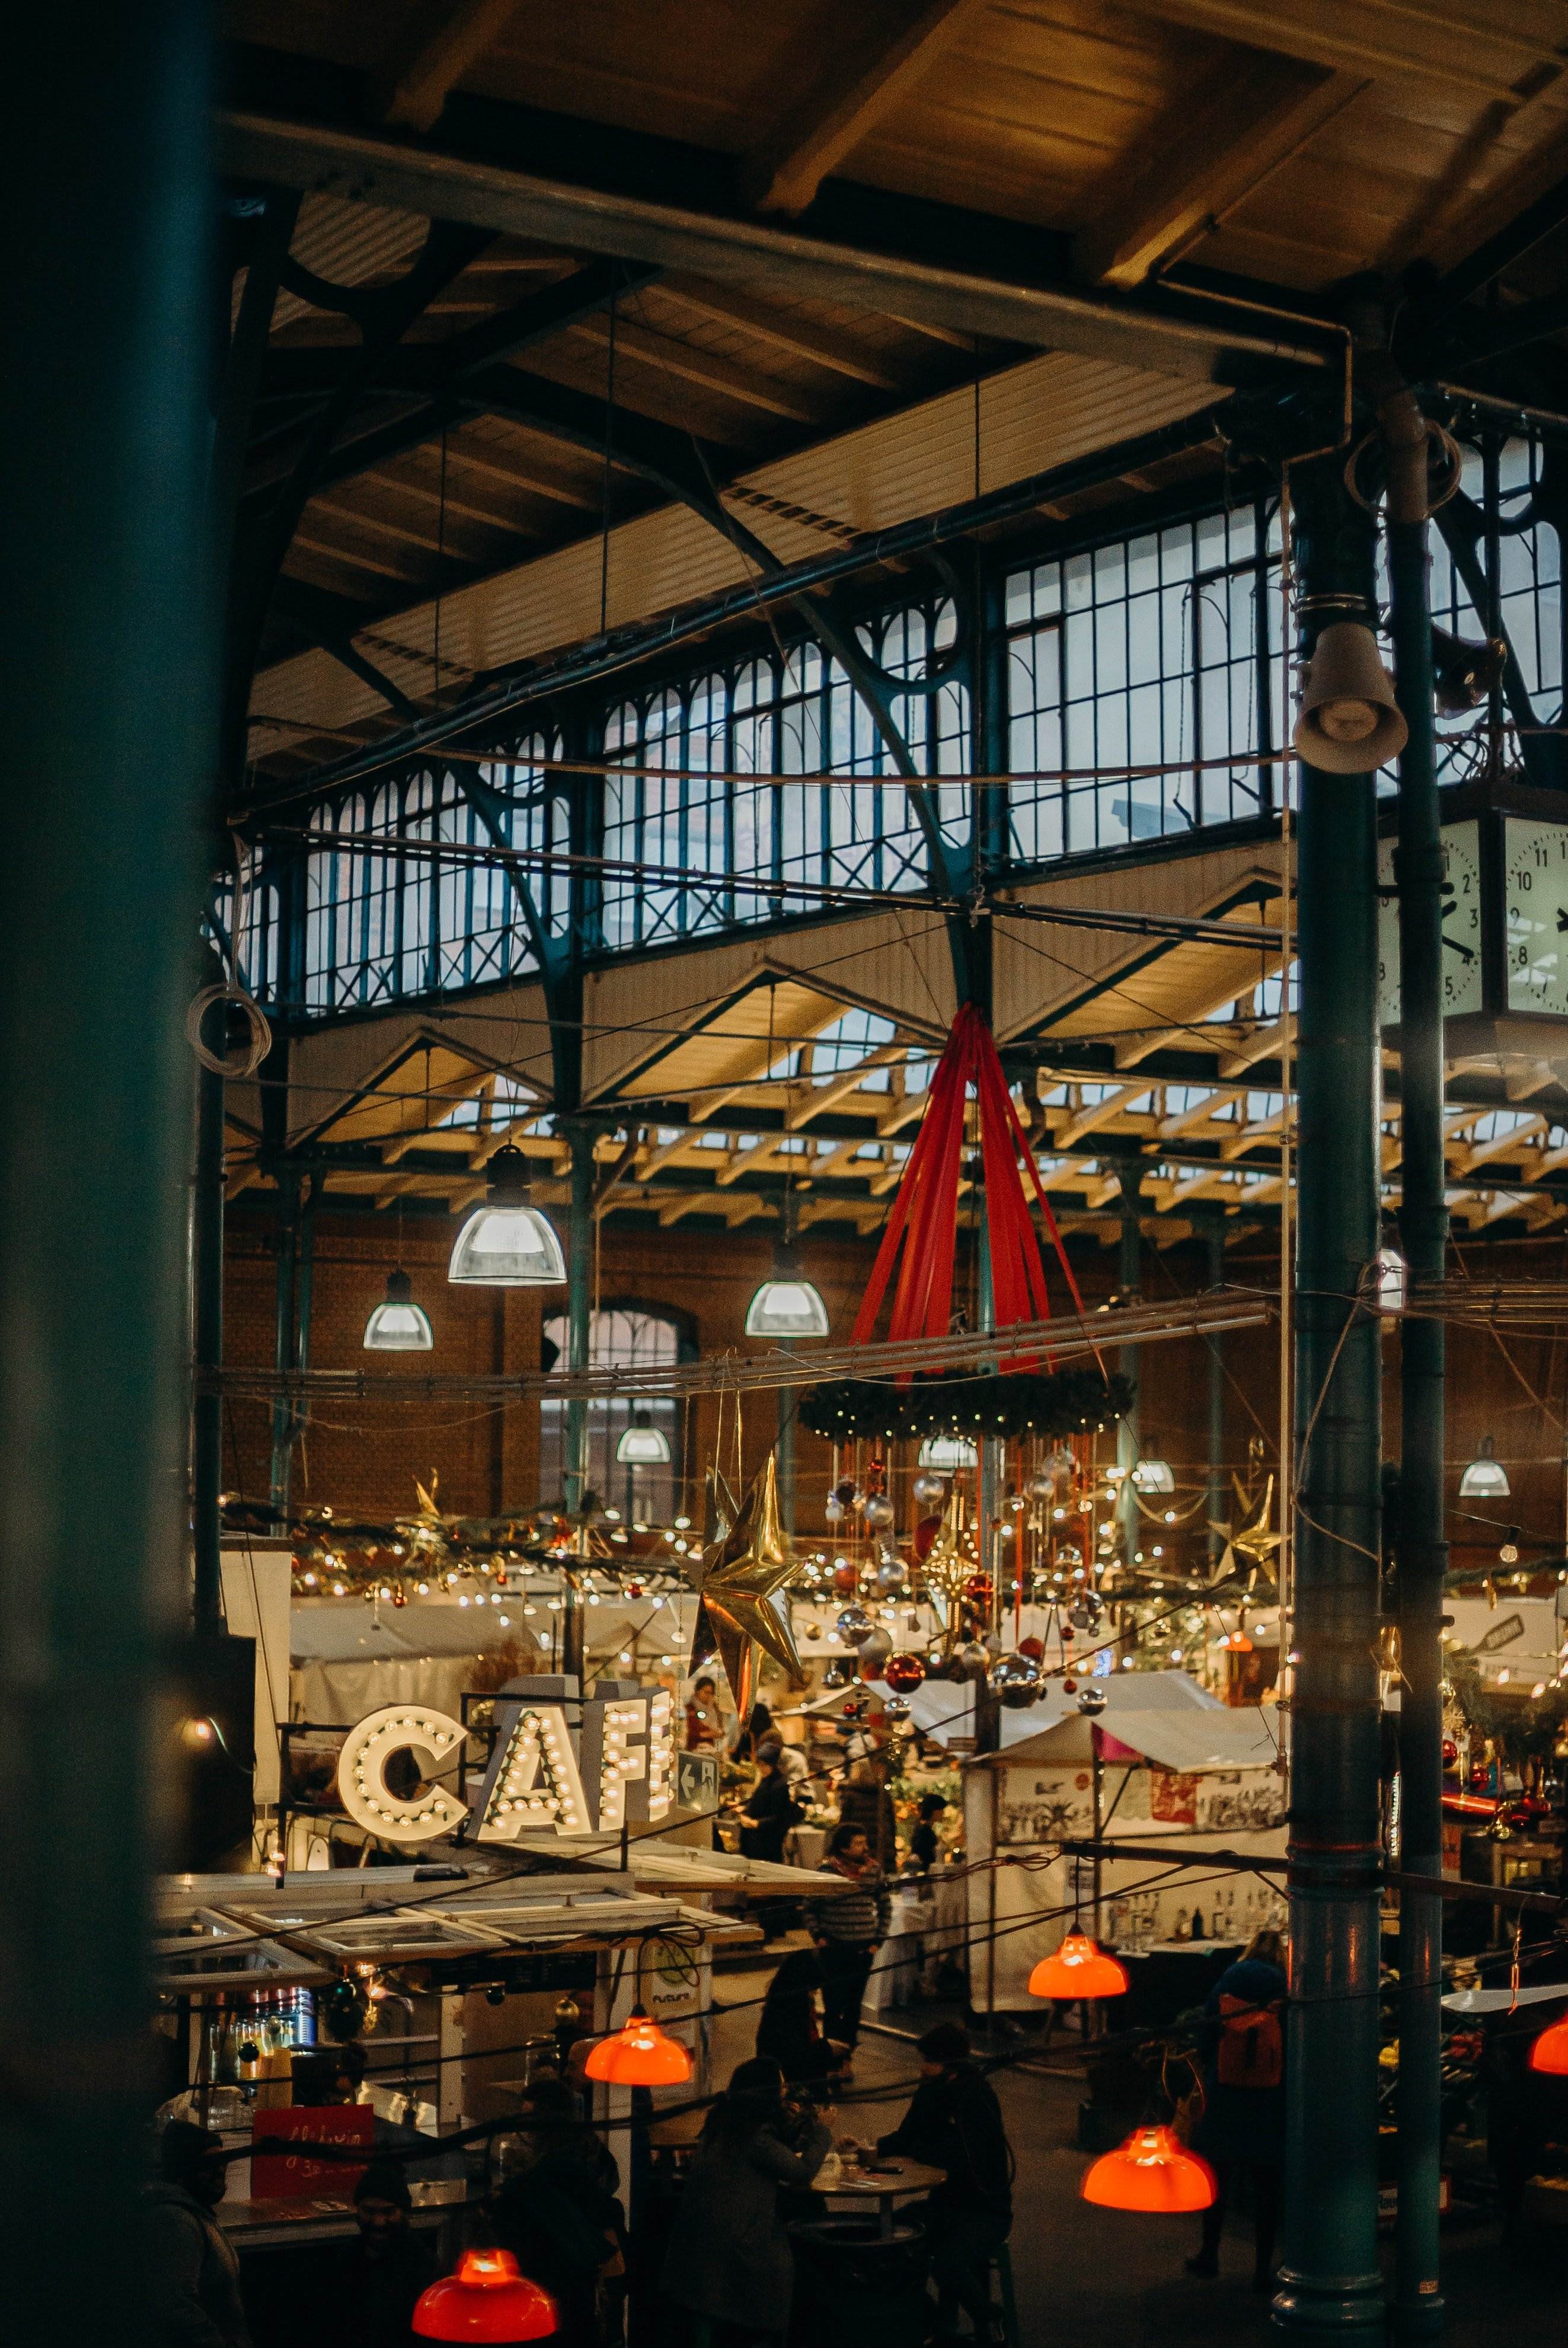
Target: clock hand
[[1468, 952]]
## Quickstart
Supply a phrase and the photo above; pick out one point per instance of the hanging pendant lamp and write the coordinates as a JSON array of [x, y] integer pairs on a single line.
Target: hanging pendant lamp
[[1549, 2052], [786, 1305], [1150, 2172], [487, 2299], [1080, 1968], [508, 1243], [398, 1325], [1486, 1478], [639, 2055], [643, 1445]]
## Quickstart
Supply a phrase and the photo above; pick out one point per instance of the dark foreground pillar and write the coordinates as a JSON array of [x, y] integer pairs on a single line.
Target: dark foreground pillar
[[105, 698]]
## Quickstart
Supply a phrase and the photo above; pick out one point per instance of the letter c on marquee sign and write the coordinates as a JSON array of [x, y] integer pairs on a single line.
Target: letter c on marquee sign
[[431, 1737]]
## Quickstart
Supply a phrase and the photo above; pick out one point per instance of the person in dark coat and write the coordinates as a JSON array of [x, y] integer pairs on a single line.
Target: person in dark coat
[[789, 2028], [192, 2275], [1242, 2125], [770, 1811], [926, 1843], [729, 2257], [863, 1801], [560, 2217], [371, 2300], [849, 1931], [954, 2123]]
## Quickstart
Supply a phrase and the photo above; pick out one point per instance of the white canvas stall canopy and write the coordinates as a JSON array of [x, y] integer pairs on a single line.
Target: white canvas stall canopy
[[348, 1658], [1164, 1761]]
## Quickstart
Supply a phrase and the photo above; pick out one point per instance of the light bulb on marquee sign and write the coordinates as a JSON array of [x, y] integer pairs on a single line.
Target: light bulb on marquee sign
[[541, 1772]]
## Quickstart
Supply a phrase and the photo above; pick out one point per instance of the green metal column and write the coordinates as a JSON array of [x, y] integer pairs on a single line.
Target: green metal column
[[1423, 1552], [286, 1243], [1129, 1279], [582, 1133], [1215, 1245], [105, 685], [1330, 2281], [206, 1335]]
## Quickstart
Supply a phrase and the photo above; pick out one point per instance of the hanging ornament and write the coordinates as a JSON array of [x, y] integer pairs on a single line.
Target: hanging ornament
[[927, 1487], [977, 1590], [1033, 1648], [854, 1622], [879, 1509], [833, 1510], [837, 1675], [738, 1580], [895, 1709], [1016, 1680], [845, 1577], [890, 1576], [873, 1652], [1092, 1701], [903, 1673]]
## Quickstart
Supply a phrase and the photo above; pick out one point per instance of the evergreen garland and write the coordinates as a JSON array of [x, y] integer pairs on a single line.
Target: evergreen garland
[[1013, 1402]]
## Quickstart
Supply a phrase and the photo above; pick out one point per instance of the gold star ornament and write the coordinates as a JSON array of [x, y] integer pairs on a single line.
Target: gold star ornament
[[738, 1580], [1252, 1538]]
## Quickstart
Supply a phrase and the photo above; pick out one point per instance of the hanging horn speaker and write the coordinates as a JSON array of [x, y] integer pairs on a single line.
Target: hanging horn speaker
[[1463, 672], [1349, 721]]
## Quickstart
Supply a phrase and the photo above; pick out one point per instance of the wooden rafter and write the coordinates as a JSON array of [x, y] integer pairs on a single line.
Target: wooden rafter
[[783, 174], [416, 92]]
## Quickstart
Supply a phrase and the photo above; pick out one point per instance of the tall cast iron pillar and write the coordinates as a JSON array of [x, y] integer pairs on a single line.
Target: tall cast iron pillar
[[1422, 1550], [207, 1337], [582, 1134], [1330, 2281], [1129, 1280], [106, 675]]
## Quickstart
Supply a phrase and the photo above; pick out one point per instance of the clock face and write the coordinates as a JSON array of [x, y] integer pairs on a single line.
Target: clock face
[[1536, 901], [1462, 925]]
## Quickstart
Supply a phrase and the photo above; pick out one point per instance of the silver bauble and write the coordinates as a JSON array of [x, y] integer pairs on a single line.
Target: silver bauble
[[1015, 1678], [878, 1510], [854, 1622], [927, 1486], [1092, 1700]]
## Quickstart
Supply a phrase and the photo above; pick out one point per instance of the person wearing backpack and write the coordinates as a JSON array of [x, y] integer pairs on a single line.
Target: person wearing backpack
[[1243, 2123]]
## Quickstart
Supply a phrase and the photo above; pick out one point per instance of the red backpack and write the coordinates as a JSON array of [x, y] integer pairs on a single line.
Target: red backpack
[[1252, 2043]]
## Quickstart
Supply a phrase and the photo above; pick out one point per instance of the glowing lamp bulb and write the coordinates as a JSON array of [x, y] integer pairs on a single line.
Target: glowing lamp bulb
[[1549, 2052], [639, 2055], [1079, 1968], [487, 2299], [1150, 2172]]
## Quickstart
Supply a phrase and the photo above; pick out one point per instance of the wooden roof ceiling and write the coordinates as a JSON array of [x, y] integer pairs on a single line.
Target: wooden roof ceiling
[[811, 220]]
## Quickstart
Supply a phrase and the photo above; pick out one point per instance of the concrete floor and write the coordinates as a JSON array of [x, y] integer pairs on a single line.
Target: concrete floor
[[1086, 2275]]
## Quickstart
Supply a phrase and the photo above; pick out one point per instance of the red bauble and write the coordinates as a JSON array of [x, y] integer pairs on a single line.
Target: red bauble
[[978, 1588], [1069, 1687], [846, 1578], [903, 1673], [1033, 1648]]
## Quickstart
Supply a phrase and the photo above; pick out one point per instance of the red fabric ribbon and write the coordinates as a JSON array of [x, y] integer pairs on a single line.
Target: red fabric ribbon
[[924, 1218]]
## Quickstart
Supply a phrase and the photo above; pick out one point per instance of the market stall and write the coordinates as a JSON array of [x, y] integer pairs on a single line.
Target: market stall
[[1159, 1760]]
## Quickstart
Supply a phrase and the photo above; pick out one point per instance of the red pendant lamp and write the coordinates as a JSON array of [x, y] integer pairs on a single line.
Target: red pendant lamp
[[1549, 2052], [639, 2055], [1079, 1968], [1150, 2172], [487, 2299]]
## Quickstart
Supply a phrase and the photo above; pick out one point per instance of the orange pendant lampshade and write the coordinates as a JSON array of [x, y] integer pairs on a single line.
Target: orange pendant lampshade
[[1079, 1968], [640, 2056], [487, 2299], [1549, 2052], [1150, 2171]]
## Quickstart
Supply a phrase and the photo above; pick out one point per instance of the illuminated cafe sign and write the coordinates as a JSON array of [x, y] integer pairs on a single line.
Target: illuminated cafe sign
[[615, 1766]]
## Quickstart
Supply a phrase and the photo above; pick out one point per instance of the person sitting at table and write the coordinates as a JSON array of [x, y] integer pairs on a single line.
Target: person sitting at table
[[370, 2302], [729, 2257], [790, 2028], [560, 2216], [954, 2123]]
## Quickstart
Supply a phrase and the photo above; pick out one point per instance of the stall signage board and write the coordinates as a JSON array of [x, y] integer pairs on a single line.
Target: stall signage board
[[282, 2169]]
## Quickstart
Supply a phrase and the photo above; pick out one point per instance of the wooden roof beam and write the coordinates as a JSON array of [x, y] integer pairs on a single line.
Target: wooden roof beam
[[839, 1088], [803, 338], [1216, 147], [418, 90], [861, 84], [1098, 1113]]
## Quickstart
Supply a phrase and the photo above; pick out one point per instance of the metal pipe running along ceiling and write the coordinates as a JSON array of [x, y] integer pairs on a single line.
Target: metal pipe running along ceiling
[[326, 159], [973, 1351]]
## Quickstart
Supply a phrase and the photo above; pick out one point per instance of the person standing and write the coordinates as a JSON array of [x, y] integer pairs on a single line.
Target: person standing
[[926, 1843], [192, 2275], [848, 1930], [729, 2258], [954, 2123], [769, 1810], [1242, 2125], [863, 1801], [377, 2289], [790, 2026], [704, 1725]]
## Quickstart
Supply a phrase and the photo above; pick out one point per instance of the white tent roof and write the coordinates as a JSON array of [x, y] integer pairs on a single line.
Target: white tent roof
[[1163, 1715]]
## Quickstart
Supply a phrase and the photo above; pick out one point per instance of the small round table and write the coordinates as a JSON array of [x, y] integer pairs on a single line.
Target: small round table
[[894, 2179]]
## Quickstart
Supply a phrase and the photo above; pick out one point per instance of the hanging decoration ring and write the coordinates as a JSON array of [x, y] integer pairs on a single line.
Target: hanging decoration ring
[[240, 1059]]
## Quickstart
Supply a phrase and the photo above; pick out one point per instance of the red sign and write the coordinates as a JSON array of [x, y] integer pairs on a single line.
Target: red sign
[[280, 2170]]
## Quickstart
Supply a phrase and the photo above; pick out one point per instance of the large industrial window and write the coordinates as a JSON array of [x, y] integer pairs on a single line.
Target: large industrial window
[[673, 820], [382, 923], [1159, 651], [628, 1337], [257, 944]]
